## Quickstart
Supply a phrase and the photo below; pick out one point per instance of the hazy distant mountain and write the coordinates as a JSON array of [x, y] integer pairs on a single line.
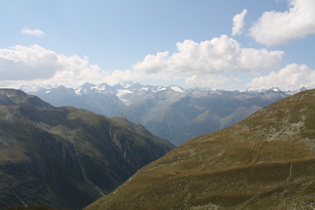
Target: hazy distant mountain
[[172, 112], [66, 157], [266, 161]]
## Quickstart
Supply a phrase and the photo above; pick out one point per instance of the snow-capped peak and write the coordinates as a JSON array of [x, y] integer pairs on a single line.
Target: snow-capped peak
[[177, 89]]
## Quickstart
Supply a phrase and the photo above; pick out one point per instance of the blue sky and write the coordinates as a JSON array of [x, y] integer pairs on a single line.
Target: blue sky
[[183, 42]]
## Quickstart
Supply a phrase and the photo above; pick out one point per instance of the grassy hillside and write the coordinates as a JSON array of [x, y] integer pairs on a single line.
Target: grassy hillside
[[266, 161], [66, 157]]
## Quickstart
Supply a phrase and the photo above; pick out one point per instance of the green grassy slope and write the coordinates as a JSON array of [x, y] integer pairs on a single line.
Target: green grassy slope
[[266, 161]]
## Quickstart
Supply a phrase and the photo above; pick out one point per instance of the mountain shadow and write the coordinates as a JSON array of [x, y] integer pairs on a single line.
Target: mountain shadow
[[66, 157]]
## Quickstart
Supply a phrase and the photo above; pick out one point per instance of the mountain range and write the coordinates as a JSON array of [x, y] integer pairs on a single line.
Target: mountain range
[[66, 157], [266, 161], [172, 112]]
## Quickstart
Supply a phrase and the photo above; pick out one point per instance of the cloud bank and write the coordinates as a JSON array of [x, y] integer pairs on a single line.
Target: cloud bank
[[292, 77], [32, 32], [216, 56], [238, 23], [217, 63], [209, 63], [37, 65], [275, 28]]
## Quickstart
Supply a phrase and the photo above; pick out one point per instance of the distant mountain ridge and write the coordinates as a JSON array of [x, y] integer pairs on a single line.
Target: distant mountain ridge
[[266, 161], [172, 112], [105, 88], [66, 157]]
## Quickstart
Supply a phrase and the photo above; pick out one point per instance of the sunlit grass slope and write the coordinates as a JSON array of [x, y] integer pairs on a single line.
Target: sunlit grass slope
[[266, 161]]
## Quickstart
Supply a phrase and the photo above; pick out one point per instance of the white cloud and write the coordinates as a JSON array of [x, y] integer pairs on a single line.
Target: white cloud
[[282, 27], [21, 65], [213, 81], [238, 23], [32, 32], [28, 63], [292, 77], [225, 81], [118, 76], [213, 63], [216, 56], [201, 64]]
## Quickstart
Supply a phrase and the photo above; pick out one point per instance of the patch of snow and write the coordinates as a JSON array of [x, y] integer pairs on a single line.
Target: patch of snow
[[78, 91], [122, 92], [275, 89], [159, 89], [100, 87], [177, 89], [126, 102]]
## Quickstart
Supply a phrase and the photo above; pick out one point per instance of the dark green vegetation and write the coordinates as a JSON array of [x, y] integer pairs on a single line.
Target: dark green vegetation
[[266, 161], [66, 157]]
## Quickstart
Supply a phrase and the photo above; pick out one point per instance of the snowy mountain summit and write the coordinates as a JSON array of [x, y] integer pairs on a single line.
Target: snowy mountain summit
[[172, 112]]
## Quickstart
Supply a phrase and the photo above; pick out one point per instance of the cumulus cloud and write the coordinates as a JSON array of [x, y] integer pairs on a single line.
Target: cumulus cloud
[[37, 65], [238, 23], [27, 63], [118, 76], [274, 27], [205, 64], [292, 77], [212, 63], [32, 32], [216, 56]]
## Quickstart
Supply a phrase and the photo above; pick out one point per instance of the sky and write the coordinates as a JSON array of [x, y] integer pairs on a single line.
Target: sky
[[230, 45]]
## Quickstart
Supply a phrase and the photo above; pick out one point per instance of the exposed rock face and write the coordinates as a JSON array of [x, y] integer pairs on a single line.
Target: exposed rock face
[[66, 157], [266, 161]]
